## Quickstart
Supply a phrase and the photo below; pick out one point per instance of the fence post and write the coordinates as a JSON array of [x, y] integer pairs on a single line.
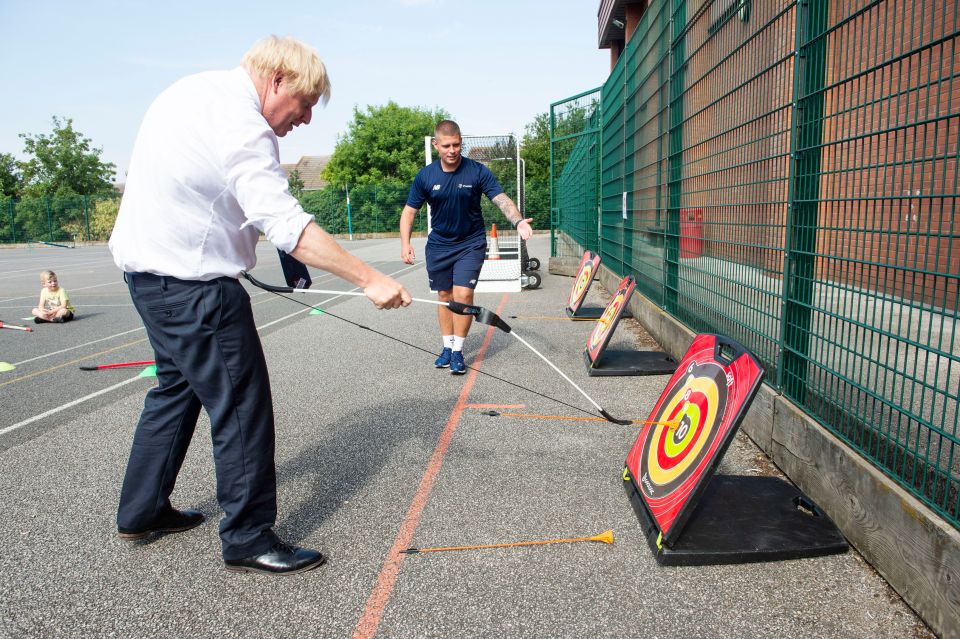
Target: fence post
[[554, 213], [46, 201], [346, 189], [671, 244], [803, 196], [629, 113]]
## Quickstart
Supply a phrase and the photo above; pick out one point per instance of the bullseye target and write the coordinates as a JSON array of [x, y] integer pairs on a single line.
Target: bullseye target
[[589, 265], [695, 419], [607, 323]]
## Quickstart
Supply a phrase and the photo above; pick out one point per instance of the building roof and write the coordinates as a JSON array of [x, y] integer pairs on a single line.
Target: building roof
[[309, 167], [611, 11]]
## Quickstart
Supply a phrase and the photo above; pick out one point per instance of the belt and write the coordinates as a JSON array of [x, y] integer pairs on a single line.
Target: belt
[[164, 280]]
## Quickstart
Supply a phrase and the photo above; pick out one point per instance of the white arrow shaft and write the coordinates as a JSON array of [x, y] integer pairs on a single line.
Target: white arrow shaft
[[320, 291], [589, 399]]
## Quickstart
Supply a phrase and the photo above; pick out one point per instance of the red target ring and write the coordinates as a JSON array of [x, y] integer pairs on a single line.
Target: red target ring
[[580, 286], [670, 468], [685, 436]]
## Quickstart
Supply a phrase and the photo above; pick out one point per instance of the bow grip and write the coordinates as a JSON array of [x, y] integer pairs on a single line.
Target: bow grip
[[480, 314]]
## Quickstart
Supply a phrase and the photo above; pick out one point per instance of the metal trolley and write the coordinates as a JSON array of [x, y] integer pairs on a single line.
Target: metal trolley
[[512, 270]]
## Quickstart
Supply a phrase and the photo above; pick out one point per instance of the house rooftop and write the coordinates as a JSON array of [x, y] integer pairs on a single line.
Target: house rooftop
[[309, 167]]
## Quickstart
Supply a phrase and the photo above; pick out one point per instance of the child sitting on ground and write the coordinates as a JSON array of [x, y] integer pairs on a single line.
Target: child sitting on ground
[[54, 303]]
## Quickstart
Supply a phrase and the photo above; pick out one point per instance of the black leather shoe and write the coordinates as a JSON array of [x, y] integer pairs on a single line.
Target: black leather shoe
[[173, 522], [282, 559]]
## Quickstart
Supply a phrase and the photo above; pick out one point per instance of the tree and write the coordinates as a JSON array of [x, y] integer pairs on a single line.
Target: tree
[[295, 183], [536, 148], [64, 163], [9, 189], [536, 156], [9, 176], [537, 153], [103, 218], [382, 144]]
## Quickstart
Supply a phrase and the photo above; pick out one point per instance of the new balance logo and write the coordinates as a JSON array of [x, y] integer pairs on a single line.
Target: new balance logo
[[436, 187]]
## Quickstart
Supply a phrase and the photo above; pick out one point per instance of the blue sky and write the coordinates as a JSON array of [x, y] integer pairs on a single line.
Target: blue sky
[[493, 64]]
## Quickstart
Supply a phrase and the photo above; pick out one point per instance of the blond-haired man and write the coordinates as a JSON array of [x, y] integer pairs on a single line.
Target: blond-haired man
[[204, 181]]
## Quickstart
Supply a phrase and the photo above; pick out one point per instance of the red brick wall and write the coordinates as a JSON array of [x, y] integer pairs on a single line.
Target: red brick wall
[[889, 183], [736, 136], [889, 161]]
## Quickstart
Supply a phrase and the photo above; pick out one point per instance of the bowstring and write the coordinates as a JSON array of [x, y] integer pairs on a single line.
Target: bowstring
[[429, 352]]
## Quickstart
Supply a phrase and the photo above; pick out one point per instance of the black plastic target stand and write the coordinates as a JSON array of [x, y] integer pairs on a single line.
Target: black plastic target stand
[[743, 520], [692, 517], [603, 362]]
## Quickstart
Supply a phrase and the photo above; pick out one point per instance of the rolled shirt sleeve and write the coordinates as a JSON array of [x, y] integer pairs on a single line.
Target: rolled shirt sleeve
[[253, 175]]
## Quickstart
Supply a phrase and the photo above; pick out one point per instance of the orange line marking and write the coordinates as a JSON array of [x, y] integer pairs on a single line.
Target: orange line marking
[[377, 602], [495, 406]]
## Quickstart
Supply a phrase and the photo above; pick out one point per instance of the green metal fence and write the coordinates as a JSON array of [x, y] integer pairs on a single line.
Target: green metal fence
[[63, 219], [574, 169], [785, 173], [361, 210]]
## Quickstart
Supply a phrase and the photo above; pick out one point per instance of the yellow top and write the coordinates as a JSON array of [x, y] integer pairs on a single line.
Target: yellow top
[[50, 300]]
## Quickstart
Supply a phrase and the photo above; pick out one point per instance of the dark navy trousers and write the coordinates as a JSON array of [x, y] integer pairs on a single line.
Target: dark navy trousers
[[208, 355]]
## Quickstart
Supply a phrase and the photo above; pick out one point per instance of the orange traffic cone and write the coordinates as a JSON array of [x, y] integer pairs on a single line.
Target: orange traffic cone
[[494, 249]]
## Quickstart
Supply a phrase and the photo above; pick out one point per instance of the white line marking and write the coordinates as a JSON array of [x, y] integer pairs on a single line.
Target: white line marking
[[61, 266], [54, 411], [102, 339], [69, 290], [84, 304], [85, 344]]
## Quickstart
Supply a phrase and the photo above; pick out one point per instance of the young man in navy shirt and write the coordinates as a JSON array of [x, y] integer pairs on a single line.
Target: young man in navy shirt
[[457, 242]]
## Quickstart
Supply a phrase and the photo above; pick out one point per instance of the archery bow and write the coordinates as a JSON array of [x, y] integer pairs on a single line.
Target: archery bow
[[480, 314]]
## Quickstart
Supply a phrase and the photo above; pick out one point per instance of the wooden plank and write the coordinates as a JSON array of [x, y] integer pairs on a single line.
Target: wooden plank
[[563, 266], [758, 422]]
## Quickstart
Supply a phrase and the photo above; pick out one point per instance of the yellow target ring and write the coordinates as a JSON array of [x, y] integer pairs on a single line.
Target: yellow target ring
[[707, 422]]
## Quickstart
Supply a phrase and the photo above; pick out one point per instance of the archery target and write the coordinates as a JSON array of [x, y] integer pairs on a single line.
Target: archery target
[[607, 323], [700, 409], [589, 265]]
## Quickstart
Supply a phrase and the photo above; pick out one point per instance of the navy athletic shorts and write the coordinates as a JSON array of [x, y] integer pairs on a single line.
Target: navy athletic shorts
[[456, 265]]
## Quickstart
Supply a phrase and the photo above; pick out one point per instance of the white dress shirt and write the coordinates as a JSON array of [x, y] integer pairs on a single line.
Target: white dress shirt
[[204, 179]]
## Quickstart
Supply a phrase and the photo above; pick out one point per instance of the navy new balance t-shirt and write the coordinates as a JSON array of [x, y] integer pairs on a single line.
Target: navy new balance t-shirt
[[454, 200]]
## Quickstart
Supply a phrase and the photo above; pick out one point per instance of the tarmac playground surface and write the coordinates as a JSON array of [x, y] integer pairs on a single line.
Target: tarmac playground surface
[[376, 451]]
